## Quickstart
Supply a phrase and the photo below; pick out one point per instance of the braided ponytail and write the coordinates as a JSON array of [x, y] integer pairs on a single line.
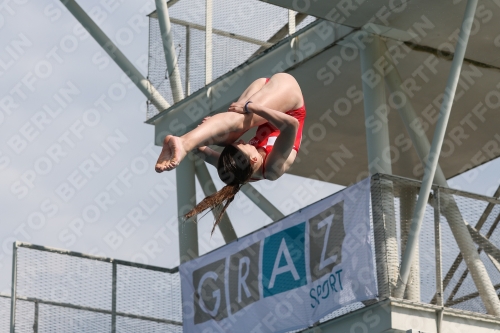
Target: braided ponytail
[[235, 170]]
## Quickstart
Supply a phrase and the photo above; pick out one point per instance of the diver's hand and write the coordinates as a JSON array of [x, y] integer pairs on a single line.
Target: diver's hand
[[237, 107]]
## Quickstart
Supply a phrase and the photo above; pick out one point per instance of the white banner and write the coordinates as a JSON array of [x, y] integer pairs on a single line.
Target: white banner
[[288, 275]]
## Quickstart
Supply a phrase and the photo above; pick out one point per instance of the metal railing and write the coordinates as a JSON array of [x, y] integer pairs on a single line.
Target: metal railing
[[207, 42], [67, 291], [440, 275], [41, 273]]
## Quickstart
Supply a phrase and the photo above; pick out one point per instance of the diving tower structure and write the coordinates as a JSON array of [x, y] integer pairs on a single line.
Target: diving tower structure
[[393, 89]]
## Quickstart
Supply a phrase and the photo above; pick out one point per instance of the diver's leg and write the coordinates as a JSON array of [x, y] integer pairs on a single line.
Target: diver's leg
[[281, 93], [215, 130]]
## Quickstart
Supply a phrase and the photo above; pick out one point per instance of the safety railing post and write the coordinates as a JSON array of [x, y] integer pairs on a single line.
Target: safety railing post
[[437, 250], [13, 294], [174, 76], [113, 297], [385, 234], [35, 321], [188, 50], [407, 200], [208, 42], [291, 22]]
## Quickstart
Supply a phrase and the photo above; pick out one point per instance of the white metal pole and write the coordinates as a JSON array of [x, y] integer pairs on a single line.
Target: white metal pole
[[186, 198], [13, 294], [375, 106], [114, 283], [480, 277], [407, 199], [174, 75], [133, 73], [377, 142], [208, 186], [291, 22], [188, 50], [260, 201], [409, 116], [208, 42], [37, 312], [439, 265]]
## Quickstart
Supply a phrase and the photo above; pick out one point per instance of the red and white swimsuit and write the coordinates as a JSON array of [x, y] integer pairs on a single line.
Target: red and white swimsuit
[[267, 134]]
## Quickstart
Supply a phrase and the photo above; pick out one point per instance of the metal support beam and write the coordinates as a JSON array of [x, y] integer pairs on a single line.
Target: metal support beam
[[265, 205], [479, 274], [208, 186], [459, 259], [375, 106], [133, 73], [484, 243], [186, 198], [495, 262], [407, 199], [479, 225], [377, 142], [409, 117], [493, 226], [208, 41], [174, 76], [465, 298]]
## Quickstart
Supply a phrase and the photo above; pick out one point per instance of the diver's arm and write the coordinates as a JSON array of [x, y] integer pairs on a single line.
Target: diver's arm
[[209, 155]]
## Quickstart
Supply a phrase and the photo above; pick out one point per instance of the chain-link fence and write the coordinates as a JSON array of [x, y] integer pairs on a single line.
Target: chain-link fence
[[63, 291], [4, 313], [240, 30]]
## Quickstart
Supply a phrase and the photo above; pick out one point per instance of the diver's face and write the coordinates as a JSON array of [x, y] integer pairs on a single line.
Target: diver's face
[[250, 152]]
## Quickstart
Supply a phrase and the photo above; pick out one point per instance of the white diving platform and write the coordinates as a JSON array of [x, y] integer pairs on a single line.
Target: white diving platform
[[402, 316]]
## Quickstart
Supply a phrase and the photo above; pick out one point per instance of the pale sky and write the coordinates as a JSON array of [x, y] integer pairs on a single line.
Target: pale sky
[[76, 158]]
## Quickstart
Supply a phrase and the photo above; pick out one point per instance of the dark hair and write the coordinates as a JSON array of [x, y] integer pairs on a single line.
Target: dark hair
[[235, 170]]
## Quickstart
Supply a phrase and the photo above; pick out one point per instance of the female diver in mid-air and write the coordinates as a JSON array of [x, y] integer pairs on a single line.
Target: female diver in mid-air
[[276, 106]]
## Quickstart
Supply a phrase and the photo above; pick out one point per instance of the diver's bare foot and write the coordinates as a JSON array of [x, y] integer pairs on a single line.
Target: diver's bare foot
[[178, 152], [172, 154], [165, 155]]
